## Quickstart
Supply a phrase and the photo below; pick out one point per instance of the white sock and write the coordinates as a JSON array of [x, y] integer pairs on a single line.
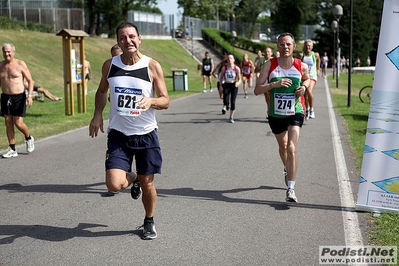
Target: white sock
[[291, 184]]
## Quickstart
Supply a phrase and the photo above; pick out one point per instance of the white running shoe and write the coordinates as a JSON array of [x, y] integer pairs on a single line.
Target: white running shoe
[[204, 91], [312, 115], [30, 144], [10, 153], [290, 195]]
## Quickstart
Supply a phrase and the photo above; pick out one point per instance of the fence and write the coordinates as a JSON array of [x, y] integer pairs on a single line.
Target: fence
[[60, 18], [195, 25], [152, 24], [50, 12]]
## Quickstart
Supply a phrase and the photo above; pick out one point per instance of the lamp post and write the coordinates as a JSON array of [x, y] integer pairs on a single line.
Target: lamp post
[[338, 12], [192, 37], [233, 37], [334, 26], [217, 14], [350, 53]]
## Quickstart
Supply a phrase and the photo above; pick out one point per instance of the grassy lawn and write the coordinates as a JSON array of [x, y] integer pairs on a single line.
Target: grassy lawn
[[385, 229]]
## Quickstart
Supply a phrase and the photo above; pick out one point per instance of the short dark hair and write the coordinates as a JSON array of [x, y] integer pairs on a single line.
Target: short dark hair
[[126, 24], [286, 34], [115, 47]]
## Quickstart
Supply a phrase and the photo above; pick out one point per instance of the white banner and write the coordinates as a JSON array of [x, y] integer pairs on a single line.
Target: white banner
[[379, 180]]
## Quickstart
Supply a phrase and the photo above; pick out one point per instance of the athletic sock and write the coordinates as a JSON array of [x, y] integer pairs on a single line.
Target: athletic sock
[[291, 184], [28, 138], [12, 146]]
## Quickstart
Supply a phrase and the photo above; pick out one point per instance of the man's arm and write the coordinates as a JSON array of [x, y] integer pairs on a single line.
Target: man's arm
[[100, 102], [162, 101], [26, 76], [261, 87], [305, 75], [318, 61], [258, 65]]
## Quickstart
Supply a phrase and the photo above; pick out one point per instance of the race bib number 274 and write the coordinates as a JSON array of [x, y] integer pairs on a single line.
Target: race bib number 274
[[284, 103]]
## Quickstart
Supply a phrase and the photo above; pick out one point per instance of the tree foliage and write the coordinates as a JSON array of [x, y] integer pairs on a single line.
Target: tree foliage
[[105, 15], [289, 15], [365, 31]]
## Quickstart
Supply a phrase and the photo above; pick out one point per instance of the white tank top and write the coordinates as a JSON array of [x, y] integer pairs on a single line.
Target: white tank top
[[127, 84]]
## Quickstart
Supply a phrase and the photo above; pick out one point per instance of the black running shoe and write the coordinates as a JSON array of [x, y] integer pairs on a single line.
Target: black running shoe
[[149, 231], [135, 191]]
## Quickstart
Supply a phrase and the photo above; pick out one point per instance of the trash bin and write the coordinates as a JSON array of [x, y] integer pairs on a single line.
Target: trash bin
[[180, 79]]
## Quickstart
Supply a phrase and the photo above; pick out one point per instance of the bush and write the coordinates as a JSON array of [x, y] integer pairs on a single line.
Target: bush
[[7, 23]]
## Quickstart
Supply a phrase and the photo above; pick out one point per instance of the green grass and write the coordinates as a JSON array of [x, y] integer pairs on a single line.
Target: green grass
[[42, 52], [385, 228]]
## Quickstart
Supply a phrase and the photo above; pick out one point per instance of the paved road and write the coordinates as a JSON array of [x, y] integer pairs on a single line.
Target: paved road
[[220, 196]]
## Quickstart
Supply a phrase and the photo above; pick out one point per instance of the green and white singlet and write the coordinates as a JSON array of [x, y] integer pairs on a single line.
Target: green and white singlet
[[283, 101]]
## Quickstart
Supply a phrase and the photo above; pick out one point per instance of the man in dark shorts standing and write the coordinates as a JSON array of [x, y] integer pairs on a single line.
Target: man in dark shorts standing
[[13, 72], [288, 79], [133, 80], [207, 69]]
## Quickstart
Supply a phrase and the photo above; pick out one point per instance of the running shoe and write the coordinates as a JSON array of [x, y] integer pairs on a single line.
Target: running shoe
[[223, 110], [30, 144], [204, 91], [312, 115], [109, 193], [290, 195], [149, 231], [246, 96], [135, 191], [307, 115], [10, 153], [210, 90], [231, 120]]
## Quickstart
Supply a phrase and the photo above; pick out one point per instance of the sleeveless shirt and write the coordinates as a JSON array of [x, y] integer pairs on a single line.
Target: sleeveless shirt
[[246, 67], [311, 62], [230, 75], [284, 102], [128, 84], [206, 64]]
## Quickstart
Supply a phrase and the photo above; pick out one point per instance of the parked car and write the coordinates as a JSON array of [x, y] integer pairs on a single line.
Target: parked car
[[264, 38], [178, 34]]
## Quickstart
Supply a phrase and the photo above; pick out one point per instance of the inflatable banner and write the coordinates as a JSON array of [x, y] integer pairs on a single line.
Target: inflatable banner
[[379, 180]]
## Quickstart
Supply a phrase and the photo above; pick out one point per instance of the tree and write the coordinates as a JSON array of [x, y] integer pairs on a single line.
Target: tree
[[289, 15], [105, 15], [366, 26]]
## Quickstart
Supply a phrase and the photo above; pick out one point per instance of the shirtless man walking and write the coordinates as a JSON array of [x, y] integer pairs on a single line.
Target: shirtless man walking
[[13, 98]]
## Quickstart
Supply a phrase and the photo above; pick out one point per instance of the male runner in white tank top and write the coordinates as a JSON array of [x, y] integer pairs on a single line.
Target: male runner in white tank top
[[133, 79]]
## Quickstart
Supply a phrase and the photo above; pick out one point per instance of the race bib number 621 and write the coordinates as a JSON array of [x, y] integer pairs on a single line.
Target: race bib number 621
[[284, 103], [125, 101]]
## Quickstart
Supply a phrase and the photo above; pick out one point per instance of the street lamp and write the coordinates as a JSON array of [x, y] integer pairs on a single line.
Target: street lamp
[[192, 37], [338, 12], [217, 14], [233, 37], [334, 26], [350, 53]]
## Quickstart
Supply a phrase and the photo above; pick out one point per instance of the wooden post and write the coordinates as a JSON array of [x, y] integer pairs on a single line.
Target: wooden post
[[70, 37]]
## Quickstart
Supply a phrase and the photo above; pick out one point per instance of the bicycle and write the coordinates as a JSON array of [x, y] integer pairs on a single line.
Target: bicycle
[[365, 94]]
